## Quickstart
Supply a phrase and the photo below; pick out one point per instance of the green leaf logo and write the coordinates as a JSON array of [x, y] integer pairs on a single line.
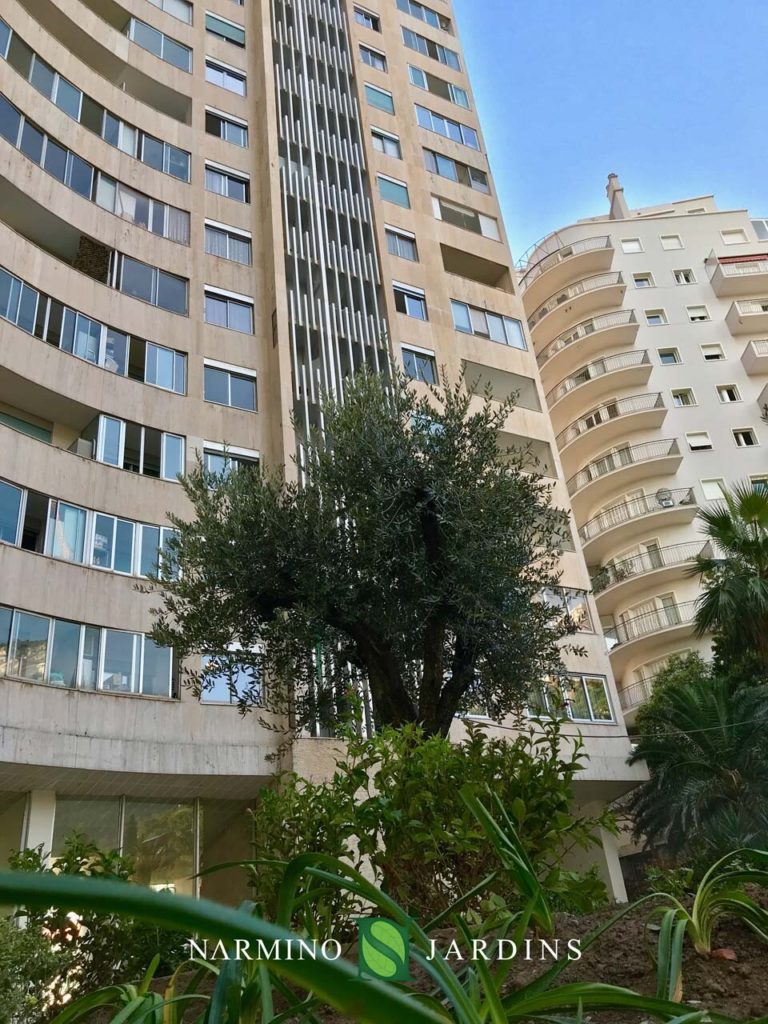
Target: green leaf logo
[[384, 949]]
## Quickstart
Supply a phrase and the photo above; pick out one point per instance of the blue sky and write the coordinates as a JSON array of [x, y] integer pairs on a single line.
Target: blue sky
[[672, 96]]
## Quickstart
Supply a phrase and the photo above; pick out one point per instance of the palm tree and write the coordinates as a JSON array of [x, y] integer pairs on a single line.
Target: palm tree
[[704, 743], [734, 602]]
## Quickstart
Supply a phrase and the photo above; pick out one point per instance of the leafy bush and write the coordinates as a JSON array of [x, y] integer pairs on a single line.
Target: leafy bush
[[92, 950], [28, 963], [394, 805], [677, 882]]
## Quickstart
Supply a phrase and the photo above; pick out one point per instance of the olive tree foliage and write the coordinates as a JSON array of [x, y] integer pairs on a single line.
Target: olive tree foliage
[[410, 560]]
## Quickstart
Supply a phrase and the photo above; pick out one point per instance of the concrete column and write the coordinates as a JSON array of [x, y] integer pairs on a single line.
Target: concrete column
[[605, 857], [40, 814]]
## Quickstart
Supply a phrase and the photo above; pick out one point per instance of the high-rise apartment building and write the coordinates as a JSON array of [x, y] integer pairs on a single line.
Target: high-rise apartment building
[[209, 213], [649, 328]]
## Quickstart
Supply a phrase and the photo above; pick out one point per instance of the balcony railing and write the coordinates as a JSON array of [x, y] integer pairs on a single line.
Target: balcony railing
[[760, 347], [623, 361], [745, 269], [748, 307], [591, 284], [623, 457], [635, 508], [576, 249], [609, 411], [645, 562], [584, 329], [637, 693], [651, 622]]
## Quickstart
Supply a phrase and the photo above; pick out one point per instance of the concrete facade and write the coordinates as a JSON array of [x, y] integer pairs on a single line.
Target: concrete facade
[[261, 198], [647, 324]]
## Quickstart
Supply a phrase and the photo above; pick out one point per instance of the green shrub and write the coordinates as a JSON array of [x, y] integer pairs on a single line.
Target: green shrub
[[394, 805], [28, 964], [677, 882]]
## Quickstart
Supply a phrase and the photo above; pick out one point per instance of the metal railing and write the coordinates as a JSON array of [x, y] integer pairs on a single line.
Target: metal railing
[[748, 306], [760, 347], [651, 622], [618, 459], [635, 508], [589, 284], [608, 411], [645, 562], [637, 693], [583, 330], [622, 361], [744, 269], [535, 270]]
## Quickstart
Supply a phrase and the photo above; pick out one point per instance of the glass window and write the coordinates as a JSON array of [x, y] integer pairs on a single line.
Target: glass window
[[68, 98], [5, 37], [156, 676], [159, 839], [576, 699], [89, 664], [124, 533], [172, 456], [171, 292], [25, 318], [380, 98], [599, 702], [420, 366], [65, 651], [394, 192], [66, 536], [10, 509], [55, 161], [43, 77], [165, 368], [177, 162], [152, 152], [96, 819], [461, 318], [137, 279], [228, 312], [6, 617], [116, 351], [29, 646], [150, 550], [177, 54], [19, 56], [225, 30], [385, 143], [10, 119], [92, 115], [111, 441], [103, 541], [121, 660], [31, 142]]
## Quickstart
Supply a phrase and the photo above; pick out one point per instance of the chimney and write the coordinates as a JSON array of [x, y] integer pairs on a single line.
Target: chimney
[[615, 192]]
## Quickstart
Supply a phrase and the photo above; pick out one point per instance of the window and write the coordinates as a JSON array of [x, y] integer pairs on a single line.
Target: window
[[745, 438], [220, 460], [373, 58], [448, 128], [226, 127], [380, 98], [167, 49], [232, 386], [671, 242], [150, 284], [728, 393], [655, 317], [394, 191], [483, 324], [136, 448], [180, 9], [386, 143], [425, 14], [232, 311], [684, 277], [429, 48], [420, 365], [463, 217], [759, 484], [713, 490], [10, 511], [735, 236], [454, 170], [228, 78], [224, 29], [225, 182], [630, 245], [438, 87], [760, 226], [229, 678], [699, 441], [572, 603], [581, 698], [367, 19], [683, 397], [697, 314], [401, 243], [228, 243], [712, 353], [410, 301], [643, 280]]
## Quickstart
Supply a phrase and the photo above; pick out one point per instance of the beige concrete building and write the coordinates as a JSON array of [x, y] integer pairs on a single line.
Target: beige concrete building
[[648, 326], [207, 214]]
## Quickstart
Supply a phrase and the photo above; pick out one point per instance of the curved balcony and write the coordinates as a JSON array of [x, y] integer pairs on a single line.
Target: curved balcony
[[587, 339], [623, 580], [621, 468], [748, 316], [553, 271], [616, 525], [650, 632], [631, 697], [578, 300], [605, 423], [626, 369]]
